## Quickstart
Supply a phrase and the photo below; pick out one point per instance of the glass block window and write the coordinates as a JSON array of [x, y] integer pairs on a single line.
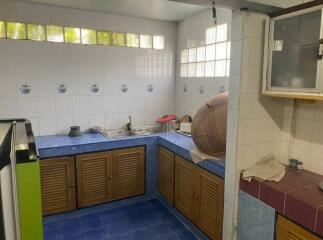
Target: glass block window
[[2, 29], [104, 38], [220, 68], [210, 60], [88, 36], [183, 70], [209, 69], [200, 54], [146, 41], [54, 33], [184, 56], [200, 69], [191, 70], [16, 30], [72, 35], [158, 42], [118, 39], [221, 33], [132, 40], [192, 55], [210, 35], [221, 51], [210, 52], [36, 32]]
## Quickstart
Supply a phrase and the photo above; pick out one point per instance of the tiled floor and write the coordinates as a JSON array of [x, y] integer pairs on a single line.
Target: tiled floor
[[146, 220]]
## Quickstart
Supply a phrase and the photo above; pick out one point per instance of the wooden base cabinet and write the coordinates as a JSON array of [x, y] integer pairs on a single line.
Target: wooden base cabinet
[[58, 185], [287, 230], [199, 195], [112, 175], [166, 174]]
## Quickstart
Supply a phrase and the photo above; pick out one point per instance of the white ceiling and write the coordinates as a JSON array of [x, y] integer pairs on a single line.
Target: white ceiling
[[151, 9]]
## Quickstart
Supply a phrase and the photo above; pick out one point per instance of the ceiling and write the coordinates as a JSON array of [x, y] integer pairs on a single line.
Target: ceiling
[[151, 9], [168, 10]]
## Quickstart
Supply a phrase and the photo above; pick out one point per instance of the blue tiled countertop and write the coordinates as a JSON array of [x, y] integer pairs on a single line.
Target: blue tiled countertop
[[63, 145]]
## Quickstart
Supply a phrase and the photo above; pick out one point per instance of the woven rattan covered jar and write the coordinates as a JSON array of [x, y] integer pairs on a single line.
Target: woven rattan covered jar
[[209, 127]]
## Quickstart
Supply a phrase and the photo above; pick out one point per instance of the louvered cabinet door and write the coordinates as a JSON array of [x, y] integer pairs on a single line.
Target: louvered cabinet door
[[57, 177], [128, 172], [184, 187], [94, 178], [210, 201], [166, 174], [287, 230]]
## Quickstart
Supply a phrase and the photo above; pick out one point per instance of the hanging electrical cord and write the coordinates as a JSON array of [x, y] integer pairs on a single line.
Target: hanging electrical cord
[[214, 12]]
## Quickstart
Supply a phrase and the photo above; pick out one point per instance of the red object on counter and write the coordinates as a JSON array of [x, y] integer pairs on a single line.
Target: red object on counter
[[166, 119]]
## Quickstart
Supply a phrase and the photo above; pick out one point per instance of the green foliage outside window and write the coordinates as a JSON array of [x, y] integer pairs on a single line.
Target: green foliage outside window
[[54, 33], [2, 29], [36, 32], [104, 38], [88, 36], [16, 30], [118, 39], [132, 40], [72, 35]]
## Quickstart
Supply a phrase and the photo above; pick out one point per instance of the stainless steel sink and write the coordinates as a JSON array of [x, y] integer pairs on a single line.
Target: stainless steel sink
[[121, 133]]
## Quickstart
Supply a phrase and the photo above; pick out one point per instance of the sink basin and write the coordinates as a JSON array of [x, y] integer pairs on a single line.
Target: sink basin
[[120, 133]]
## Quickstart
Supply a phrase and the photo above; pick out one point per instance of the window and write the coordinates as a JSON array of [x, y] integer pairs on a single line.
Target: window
[[118, 39], [36, 32], [104, 38], [2, 29], [146, 41], [88, 36], [132, 40], [54, 33], [16, 30], [158, 42], [210, 60], [72, 35]]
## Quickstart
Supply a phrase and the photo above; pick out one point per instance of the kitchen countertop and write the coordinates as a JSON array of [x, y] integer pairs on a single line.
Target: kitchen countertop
[[296, 196], [63, 145]]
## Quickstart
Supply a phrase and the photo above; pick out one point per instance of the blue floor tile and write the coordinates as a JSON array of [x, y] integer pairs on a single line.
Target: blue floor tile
[[145, 220]]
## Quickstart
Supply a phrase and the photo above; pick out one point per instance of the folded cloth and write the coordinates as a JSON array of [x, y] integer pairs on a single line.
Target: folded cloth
[[198, 156], [267, 169]]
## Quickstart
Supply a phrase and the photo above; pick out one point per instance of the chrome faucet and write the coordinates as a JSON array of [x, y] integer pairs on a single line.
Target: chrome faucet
[[129, 124]]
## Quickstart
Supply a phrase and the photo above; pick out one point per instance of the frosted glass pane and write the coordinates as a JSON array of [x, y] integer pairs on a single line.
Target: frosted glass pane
[[72, 35], [2, 29], [54, 33], [200, 69], [104, 38], [118, 39], [192, 55], [210, 52], [184, 56], [16, 30], [183, 70], [220, 68], [36, 32], [228, 50], [228, 68], [221, 33], [209, 69], [158, 42], [200, 54], [221, 51], [132, 40], [88, 36], [210, 35], [146, 41], [191, 70]]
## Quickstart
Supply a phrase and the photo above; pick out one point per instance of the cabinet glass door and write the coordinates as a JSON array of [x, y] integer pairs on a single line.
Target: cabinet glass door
[[294, 51]]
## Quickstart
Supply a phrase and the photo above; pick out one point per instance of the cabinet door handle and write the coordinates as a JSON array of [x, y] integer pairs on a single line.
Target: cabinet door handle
[[110, 177], [71, 185]]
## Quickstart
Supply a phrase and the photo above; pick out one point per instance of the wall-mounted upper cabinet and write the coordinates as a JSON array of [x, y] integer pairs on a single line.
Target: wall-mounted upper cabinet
[[293, 55]]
